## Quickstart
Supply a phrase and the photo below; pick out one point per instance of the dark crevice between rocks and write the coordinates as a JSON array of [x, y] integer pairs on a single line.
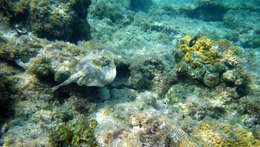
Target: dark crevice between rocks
[[218, 112], [122, 76], [12, 64], [208, 12], [62, 95], [8, 69], [6, 103], [243, 90], [184, 78], [47, 79], [140, 5], [88, 92], [6, 111], [77, 31]]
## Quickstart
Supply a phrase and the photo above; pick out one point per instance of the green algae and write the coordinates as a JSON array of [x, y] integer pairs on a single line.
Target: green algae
[[73, 133]]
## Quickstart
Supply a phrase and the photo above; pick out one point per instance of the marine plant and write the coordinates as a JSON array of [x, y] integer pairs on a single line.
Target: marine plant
[[73, 133]]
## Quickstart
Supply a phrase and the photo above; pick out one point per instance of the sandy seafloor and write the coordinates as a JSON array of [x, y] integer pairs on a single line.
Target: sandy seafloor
[[152, 101]]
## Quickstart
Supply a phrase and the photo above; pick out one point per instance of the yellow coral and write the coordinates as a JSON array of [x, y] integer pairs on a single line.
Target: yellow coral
[[202, 50], [226, 136], [196, 64], [240, 137], [208, 135], [200, 47], [230, 58], [188, 57]]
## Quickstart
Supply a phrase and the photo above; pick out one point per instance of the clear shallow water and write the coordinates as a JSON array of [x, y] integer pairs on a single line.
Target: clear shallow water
[[178, 83]]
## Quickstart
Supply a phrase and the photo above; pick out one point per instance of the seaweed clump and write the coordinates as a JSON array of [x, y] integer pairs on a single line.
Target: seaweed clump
[[80, 132], [211, 62]]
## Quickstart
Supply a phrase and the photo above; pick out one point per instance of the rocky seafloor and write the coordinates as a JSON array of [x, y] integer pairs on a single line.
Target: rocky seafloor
[[130, 73]]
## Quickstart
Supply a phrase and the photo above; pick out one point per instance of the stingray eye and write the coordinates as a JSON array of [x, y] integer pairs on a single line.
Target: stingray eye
[[96, 63], [102, 58]]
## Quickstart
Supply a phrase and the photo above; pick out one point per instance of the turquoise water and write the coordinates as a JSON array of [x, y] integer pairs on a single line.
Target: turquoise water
[[124, 73]]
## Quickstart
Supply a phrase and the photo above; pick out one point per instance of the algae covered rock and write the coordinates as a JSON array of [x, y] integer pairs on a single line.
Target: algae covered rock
[[112, 10], [226, 136], [178, 93], [147, 128], [52, 19], [247, 22], [211, 79], [210, 62], [75, 133], [208, 10], [144, 71]]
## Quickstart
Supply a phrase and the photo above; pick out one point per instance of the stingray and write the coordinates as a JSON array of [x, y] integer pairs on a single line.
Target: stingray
[[92, 71]]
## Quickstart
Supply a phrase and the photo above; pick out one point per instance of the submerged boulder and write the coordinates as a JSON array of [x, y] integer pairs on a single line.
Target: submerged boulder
[[210, 62], [51, 19]]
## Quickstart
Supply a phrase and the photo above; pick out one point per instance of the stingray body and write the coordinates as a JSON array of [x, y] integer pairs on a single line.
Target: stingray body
[[92, 71]]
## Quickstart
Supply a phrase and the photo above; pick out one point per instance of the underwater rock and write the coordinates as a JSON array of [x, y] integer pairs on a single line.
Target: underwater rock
[[189, 100], [140, 5], [51, 19], [208, 10], [236, 77], [146, 128], [211, 79], [226, 135], [243, 19], [144, 71], [210, 62], [177, 93], [229, 76], [248, 24], [30, 104], [251, 39], [112, 10], [77, 133], [7, 82]]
